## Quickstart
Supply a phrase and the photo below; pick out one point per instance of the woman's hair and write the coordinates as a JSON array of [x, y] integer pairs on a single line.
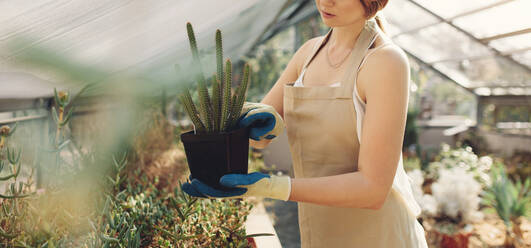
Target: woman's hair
[[371, 9]]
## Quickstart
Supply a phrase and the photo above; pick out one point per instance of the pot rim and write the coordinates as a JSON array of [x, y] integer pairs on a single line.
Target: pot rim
[[190, 136]]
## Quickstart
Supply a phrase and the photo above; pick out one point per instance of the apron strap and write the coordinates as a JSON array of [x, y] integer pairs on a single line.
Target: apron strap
[[316, 48], [363, 43]]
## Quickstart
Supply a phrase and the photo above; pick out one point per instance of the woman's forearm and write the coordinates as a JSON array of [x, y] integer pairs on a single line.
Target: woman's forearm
[[346, 190]]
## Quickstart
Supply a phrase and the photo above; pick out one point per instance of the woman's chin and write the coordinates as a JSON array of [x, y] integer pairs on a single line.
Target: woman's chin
[[328, 22]]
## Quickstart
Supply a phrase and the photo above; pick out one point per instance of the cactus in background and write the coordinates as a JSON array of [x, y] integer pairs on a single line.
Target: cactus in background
[[5, 132], [13, 156], [62, 99], [221, 113]]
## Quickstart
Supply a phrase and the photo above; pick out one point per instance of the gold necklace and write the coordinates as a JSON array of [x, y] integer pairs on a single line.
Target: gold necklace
[[340, 63]]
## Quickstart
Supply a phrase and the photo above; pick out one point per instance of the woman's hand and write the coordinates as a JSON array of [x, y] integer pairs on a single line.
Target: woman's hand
[[264, 120], [244, 185]]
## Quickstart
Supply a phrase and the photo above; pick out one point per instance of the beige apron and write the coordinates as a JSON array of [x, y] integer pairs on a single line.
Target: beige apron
[[321, 128]]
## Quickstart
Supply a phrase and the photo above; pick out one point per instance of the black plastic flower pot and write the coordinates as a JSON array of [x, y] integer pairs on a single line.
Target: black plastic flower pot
[[210, 156]]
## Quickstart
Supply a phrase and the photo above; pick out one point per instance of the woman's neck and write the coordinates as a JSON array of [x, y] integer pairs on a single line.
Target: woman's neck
[[344, 37]]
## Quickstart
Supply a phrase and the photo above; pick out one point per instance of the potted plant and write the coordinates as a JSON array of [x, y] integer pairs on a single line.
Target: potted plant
[[216, 146], [453, 236], [511, 202], [451, 207]]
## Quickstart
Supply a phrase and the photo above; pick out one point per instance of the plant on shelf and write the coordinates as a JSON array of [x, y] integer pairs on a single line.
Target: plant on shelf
[[510, 200], [219, 113]]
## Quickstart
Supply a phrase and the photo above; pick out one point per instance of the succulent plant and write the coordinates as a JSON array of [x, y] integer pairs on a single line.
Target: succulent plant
[[5, 132], [62, 100], [511, 200], [221, 112]]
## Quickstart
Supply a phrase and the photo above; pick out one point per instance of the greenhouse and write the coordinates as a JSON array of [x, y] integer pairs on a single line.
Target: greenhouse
[[118, 124]]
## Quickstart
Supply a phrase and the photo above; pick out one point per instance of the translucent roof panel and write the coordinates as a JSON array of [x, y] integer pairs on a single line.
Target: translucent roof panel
[[476, 43], [490, 71], [508, 17], [131, 36], [441, 42], [450, 8], [404, 16], [524, 57]]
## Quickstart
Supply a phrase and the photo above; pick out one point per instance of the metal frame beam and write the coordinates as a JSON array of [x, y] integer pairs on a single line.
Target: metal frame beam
[[506, 53], [505, 35]]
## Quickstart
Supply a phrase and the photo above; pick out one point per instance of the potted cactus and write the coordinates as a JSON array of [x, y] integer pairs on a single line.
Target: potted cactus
[[216, 146]]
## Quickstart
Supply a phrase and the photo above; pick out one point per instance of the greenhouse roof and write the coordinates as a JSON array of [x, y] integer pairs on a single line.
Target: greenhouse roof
[[482, 45], [144, 37]]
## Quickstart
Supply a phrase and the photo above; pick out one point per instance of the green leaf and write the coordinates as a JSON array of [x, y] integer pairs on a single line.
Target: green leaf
[[57, 100], [16, 196], [55, 116], [259, 234], [12, 156], [68, 115], [180, 213], [109, 239]]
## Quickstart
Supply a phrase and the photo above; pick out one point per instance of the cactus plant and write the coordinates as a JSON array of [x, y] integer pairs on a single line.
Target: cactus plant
[[221, 113]]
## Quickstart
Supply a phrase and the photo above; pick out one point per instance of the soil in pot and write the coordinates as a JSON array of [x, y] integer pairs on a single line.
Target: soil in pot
[[210, 156]]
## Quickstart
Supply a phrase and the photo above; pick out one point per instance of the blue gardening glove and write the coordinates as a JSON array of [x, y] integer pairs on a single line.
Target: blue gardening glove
[[244, 185], [264, 120]]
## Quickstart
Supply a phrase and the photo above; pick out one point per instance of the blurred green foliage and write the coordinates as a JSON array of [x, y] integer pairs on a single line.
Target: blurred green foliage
[[511, 200]]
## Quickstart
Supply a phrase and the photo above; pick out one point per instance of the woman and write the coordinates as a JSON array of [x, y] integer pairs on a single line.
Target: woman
[[339, 89]]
